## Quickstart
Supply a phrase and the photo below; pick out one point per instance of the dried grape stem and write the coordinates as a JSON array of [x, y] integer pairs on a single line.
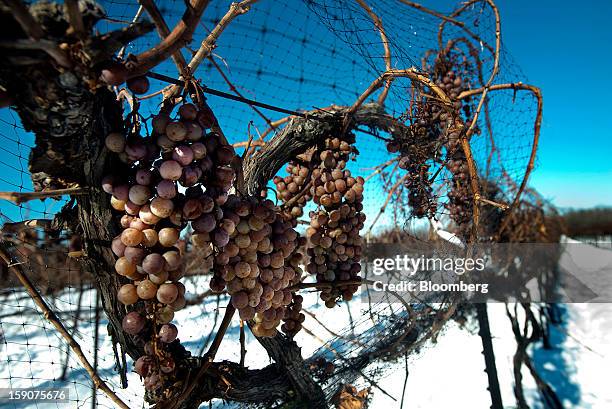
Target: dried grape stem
[[244, 144], [134, 20], [465, 144], [495, 69], [474, 185], [289, 203], [274, 125], [451, 19], [492, 203], [209, 42], [413, 74]]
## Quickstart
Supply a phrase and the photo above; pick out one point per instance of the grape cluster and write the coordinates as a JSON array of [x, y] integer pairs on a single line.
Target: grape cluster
[[292, 185], [294, 192], [334, 228], [450, 71], [435, 126], [293, 316], [176, 176], [258, 262], [460, 203], [417, 150]]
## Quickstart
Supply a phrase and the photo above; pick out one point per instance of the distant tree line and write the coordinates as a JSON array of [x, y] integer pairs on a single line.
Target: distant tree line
[[592, 222]]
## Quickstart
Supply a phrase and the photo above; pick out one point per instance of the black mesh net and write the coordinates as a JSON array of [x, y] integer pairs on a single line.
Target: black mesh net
[[296, 55]]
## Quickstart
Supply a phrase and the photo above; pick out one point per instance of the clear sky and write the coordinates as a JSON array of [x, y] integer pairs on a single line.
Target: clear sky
[[566, 49]]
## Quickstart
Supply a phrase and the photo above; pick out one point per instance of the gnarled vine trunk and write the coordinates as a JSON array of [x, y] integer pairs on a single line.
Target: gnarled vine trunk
[[70, 113]]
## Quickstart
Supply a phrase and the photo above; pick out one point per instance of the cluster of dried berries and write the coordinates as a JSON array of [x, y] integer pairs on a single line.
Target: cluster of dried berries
[[293, 316], [177, 175], [435, 129], [449, 72], [417, 151], [460, 197], [335, 242], [291, 186], [257, 261]]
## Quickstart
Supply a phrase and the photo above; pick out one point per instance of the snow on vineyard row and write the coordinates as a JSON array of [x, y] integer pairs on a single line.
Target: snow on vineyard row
[[32, 354]]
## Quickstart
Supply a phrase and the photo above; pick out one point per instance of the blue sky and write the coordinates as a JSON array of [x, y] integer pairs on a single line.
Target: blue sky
[[565, 48]]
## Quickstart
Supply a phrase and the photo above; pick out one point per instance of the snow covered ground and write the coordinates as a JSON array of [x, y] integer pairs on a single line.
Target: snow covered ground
[[449, 373]]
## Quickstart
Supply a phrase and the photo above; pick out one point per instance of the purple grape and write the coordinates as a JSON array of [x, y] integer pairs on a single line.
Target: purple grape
[[133, 323], [144, 177], [166, 189], [107, 184], [168, 333], [183, 155], [154, 263]]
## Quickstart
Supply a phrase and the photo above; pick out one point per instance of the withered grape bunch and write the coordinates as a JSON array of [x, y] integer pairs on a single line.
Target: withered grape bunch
[[335, 243], [436, 131], [293, 190], [178, 175], [181, 175], [451, 73], [257, 261], [417, 150], [293, 316]]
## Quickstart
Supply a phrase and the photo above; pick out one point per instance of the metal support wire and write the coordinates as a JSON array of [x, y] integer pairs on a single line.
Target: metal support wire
[[226, 95]]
